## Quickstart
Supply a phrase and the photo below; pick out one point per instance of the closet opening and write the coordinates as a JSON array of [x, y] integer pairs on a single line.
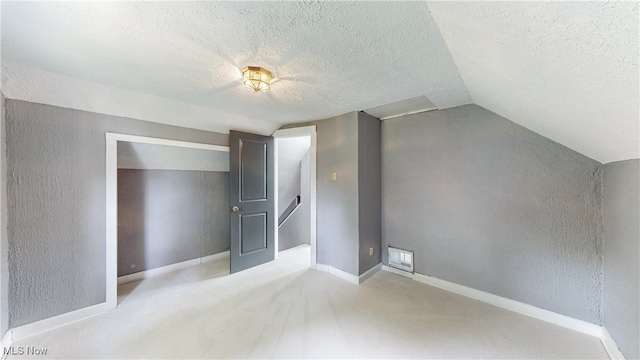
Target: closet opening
[[166, 212]]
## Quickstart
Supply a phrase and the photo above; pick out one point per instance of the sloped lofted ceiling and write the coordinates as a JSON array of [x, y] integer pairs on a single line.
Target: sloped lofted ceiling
[[568, 71]]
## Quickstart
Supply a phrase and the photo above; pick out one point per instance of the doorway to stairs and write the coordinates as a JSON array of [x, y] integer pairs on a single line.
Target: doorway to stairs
[[309, 179], [295, 173]]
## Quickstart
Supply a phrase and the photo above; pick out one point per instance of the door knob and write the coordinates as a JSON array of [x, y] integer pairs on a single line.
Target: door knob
[[235, 209]]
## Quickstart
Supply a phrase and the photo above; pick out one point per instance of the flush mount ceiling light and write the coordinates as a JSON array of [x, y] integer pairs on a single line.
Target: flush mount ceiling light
[[256, 78]]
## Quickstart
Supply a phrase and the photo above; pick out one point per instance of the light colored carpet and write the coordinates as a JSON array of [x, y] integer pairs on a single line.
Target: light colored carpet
[[285, 310]]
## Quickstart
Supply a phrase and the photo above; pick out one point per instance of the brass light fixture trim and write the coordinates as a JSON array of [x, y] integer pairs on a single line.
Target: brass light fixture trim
[[256, 78]]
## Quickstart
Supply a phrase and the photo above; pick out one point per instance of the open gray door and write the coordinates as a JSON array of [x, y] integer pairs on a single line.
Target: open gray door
[[251, 200]]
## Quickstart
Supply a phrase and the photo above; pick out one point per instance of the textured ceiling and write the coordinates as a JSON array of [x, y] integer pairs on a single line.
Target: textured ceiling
[[328, 58], [567, 70]]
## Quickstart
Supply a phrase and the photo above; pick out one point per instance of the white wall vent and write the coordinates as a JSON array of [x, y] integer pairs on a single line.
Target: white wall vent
[[400, 259]]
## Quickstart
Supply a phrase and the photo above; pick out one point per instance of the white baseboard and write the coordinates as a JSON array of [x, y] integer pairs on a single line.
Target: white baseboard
[[398, 271], [322, 267], [584, 327], [347, 276], [610, 345], [37, 327], [367, 274], [499, 301], [145, 274], [339, 273], [561, 320], [5, 343], [214, 257]]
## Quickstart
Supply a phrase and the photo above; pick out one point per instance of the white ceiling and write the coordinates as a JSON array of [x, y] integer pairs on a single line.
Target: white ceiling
[[403, 107], [328, 58], [567, 70]]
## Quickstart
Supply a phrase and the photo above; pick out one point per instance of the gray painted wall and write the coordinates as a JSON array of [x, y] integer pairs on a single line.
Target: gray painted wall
[[342, 146], [296, 230], [369, 187], [4, 245], [488, 204], [169, 216], [621, 182], [337, 201], [337, 209], [56, 204]]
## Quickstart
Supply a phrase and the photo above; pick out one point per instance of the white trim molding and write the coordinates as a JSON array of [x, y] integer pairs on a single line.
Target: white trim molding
[[338, 273], [214, 257], [166, 142], [111, 163], [610, 345], [6, 343], [51, 323], [369, 273], [299, 132], [502, 302], [295, 131], [581, 326], [276, 214], [357, 280], [145, 274]]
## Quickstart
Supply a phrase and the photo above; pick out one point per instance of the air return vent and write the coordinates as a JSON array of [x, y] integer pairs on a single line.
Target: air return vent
[[400, 259]]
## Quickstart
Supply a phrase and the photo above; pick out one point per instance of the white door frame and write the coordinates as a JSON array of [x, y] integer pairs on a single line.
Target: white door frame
[[299, 132], [112, 200]]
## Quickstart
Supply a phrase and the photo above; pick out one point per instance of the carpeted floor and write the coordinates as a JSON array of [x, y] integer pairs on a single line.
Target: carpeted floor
[[284, 310]]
